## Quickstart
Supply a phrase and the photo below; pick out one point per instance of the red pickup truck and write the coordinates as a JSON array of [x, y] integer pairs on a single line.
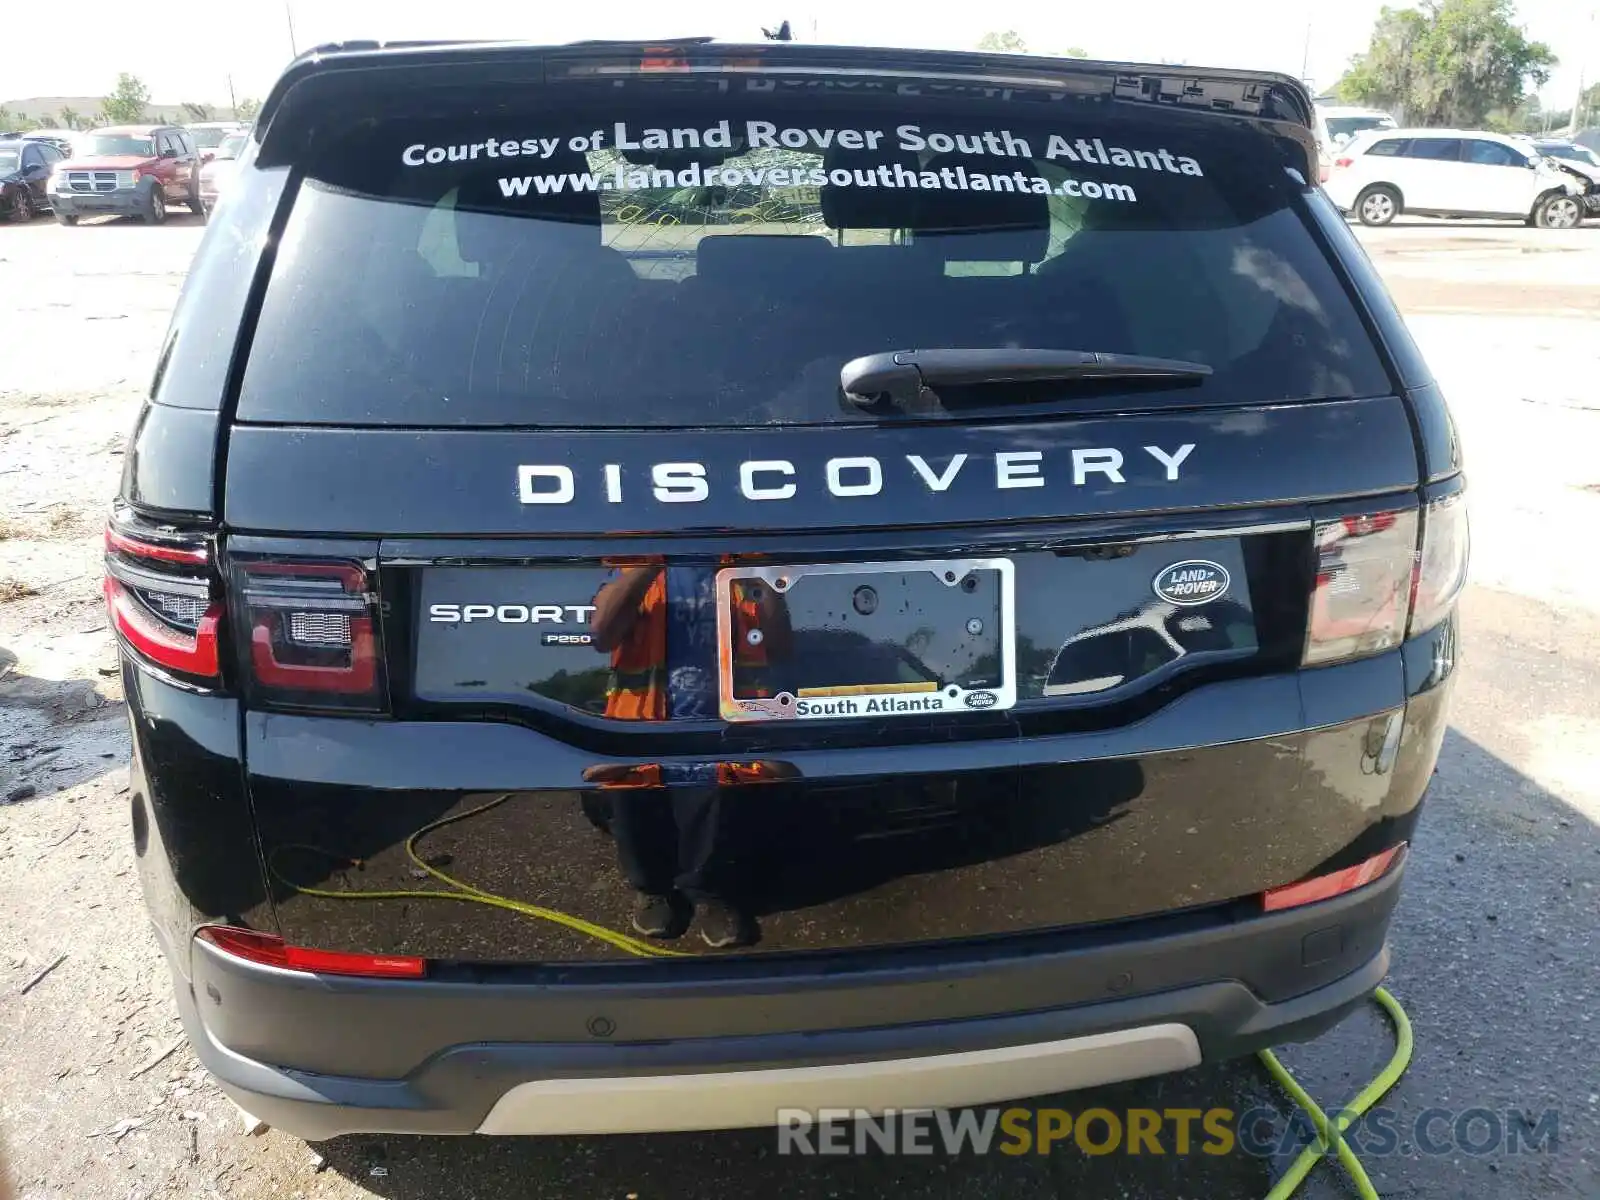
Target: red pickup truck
[[136, 170]]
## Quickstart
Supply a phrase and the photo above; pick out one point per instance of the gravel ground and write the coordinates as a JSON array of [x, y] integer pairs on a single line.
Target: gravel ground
[[1495, 944]]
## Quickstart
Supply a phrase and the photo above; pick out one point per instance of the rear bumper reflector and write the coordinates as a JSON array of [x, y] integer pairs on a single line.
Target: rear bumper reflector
[[270, 950], [1335, 883]]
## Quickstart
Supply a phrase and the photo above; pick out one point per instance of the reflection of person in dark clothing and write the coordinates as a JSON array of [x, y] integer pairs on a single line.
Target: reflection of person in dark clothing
[[659, 625]]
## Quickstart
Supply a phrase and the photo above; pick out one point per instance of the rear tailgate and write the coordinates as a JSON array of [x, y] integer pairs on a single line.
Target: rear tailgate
[[632, 596]]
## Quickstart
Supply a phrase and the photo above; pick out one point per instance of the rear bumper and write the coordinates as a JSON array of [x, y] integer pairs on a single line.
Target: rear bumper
[[632, 1051]]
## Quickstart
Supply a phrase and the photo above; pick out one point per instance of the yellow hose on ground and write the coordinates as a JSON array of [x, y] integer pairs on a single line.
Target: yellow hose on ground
[[1330, 1131]]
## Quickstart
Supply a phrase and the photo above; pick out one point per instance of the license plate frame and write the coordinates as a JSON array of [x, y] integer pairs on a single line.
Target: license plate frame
[[870, 702]]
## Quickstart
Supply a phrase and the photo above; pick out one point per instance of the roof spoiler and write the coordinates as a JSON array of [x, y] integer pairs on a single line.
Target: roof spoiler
[[344, 68]]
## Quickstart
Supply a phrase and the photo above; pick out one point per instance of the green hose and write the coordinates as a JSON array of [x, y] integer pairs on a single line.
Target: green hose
[[1331, 1132]]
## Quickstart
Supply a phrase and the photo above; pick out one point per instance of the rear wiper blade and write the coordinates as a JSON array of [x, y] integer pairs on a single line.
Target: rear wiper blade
[[901, 375]]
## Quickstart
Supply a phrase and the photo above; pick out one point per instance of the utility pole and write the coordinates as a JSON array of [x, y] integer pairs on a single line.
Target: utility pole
[[233, 101], [288, 15]]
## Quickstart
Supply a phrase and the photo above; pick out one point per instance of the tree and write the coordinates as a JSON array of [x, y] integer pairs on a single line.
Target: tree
[[1588, 108], [126, 105], [247, 109], [69, 118], [196, 112], [15, 123], [1006, 42], [1451, 62]]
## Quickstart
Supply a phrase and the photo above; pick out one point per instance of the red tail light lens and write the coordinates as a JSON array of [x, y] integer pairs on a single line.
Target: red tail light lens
[[1343, 162], [270, 950], [1362, 595], [160, 599], [1335, 883], [311, 633]]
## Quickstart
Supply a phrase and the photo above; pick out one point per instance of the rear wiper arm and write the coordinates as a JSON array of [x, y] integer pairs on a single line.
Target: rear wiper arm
[[903, 374]]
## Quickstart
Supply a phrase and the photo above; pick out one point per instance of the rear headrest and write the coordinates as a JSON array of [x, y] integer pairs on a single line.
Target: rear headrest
[[999, 224], [746, 259]]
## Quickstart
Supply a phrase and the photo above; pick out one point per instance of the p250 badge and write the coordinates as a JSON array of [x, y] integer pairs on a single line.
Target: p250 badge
[[1193, 581]]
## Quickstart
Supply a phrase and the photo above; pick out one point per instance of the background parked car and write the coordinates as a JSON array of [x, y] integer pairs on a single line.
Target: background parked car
[[25, 168], [1577, 160], [1452, 173], [136, 170], [209, 135], [216, 174], [1338, 123], [61, 139]]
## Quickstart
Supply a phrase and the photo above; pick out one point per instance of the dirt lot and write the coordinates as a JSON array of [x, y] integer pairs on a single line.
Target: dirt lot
[[1495, 943]]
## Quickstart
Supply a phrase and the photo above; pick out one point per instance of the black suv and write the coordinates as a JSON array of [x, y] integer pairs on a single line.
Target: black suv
[[659, 582]]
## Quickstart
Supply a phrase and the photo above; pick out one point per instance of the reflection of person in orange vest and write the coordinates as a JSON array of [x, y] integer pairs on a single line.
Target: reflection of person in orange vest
[[659, 625]]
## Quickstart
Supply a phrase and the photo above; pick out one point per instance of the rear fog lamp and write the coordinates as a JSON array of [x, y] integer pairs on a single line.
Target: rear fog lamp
[[270, 950], [1335, 883]]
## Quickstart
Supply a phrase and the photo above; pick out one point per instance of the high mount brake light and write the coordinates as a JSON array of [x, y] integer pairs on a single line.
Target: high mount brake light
[[310, 633], [161, 602]]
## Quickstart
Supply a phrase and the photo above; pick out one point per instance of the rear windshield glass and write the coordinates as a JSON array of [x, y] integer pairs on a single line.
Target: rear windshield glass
[[690, 262]]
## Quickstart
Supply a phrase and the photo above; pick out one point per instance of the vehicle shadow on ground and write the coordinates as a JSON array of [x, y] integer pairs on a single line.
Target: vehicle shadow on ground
[[1483, 1038]]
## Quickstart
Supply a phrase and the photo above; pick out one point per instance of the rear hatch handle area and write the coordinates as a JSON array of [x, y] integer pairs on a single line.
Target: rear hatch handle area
[[898, 377]]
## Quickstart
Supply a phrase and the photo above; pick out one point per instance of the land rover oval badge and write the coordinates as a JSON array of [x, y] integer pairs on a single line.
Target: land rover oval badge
[[1193, 581]]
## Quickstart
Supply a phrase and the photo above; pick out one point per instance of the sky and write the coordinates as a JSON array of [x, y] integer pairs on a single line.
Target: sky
[[184, 59]]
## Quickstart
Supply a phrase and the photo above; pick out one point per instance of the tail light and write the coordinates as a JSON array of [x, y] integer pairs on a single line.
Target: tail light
[[161, 597], [1343, 162], [1374, 586], [309, 634], [1362, 595], [1335, 883], [1442, 566], [270, 950]]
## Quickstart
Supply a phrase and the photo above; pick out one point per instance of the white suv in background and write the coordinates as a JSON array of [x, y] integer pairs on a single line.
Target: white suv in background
[[1451, 173]]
